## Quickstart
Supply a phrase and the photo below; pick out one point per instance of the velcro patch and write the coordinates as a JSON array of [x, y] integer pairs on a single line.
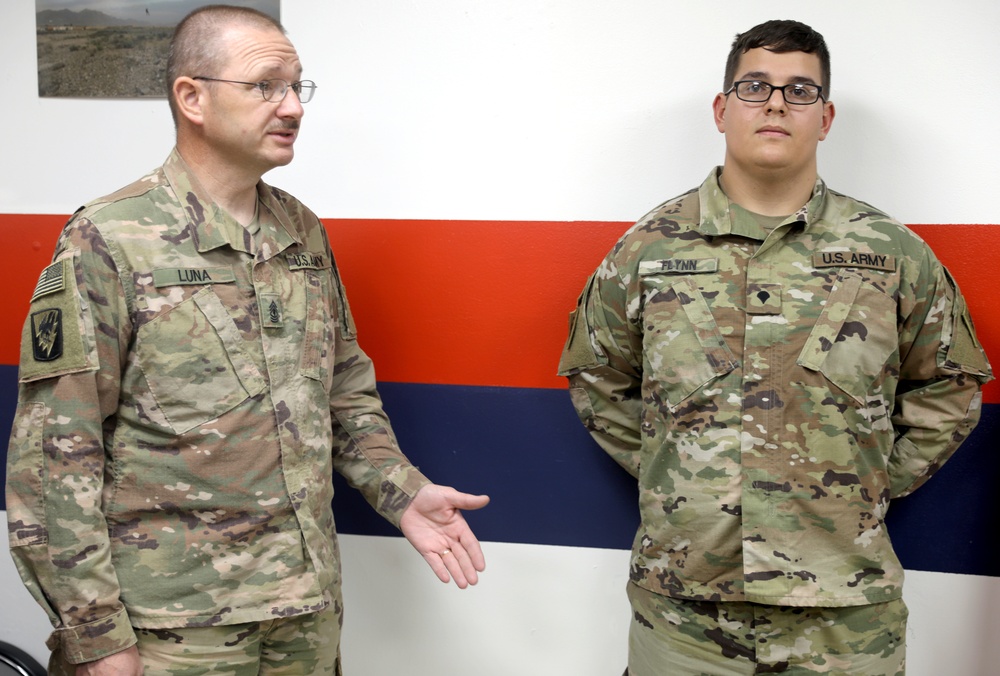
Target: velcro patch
[[47, 334], [678, 266], [307, 261], [52, 280], [180, 276], [270, 311], [854, 259], [763, 299]]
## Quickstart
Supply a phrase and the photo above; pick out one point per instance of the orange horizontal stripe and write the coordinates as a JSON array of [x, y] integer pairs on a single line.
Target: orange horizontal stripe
[[26, 245], [467, 302], [479, 302]]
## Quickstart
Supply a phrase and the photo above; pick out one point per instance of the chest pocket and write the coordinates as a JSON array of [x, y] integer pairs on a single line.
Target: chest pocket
[[681, 339], [854, 336], [193, 364]]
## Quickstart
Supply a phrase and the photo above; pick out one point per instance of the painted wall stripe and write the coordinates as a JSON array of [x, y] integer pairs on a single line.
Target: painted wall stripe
[[478, 302], [550, 484]]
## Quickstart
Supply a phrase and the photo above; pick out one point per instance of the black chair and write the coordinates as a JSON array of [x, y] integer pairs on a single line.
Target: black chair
[[16, 662]]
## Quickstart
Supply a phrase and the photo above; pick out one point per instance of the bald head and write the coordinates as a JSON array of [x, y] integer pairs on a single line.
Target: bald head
[[198, 46]]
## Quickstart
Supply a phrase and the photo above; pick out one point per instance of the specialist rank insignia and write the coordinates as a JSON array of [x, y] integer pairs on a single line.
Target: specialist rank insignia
[[47, 334]]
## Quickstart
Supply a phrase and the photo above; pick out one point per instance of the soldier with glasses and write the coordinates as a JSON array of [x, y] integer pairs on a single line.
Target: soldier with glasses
[[773, 362], [190, 378]]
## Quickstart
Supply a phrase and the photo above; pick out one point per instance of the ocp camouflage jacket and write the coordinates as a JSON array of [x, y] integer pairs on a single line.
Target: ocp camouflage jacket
[[771, 392], [183, 403]]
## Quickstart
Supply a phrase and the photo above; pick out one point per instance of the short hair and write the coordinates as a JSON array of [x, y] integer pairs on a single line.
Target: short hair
[[779, 36], [196, 47]]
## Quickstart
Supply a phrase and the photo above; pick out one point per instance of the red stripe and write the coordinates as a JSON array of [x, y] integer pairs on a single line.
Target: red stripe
[[479, 302], [26, 244], [467, 302]]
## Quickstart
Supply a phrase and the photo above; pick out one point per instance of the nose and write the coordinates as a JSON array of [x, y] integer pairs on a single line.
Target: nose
[[781, 105], [290, 106]]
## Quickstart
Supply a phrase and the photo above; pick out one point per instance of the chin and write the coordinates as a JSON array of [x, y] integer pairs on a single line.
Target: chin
[[281, 160]]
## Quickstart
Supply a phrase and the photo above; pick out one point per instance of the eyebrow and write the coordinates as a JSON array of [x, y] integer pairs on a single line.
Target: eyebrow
[[275, 71], [760, 75]]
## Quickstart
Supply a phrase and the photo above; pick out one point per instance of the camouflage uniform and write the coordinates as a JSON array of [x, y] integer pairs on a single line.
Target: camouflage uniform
[[772, 391], [701, 638], [186, 390]]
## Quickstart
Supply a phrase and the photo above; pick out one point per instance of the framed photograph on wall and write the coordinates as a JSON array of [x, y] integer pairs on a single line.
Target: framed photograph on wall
[[111, 48]]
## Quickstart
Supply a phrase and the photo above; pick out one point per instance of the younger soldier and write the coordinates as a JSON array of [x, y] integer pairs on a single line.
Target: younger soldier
[[774, 362]]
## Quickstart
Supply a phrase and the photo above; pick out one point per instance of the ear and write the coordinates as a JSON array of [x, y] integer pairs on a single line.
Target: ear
[[719, 112], [189, 96], [828, 113]]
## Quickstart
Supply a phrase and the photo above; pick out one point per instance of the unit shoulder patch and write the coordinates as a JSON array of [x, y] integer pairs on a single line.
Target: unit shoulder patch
[[47, 334]]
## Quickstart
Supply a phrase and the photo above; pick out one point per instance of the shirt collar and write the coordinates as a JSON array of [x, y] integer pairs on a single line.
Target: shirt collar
[[717, 218], [211, 226]]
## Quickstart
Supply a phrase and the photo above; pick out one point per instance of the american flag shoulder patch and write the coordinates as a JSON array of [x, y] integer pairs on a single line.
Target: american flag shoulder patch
[[51, 280]]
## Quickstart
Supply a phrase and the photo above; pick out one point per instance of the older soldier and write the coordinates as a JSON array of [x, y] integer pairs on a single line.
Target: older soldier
[[190, 378], [774, 362]]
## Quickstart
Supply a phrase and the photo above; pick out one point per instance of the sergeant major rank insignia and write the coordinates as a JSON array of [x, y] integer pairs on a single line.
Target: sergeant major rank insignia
[[270, 311], [47, 334]]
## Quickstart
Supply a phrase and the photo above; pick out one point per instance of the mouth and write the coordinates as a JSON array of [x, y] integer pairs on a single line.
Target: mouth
[[773, 131], [285, 133]]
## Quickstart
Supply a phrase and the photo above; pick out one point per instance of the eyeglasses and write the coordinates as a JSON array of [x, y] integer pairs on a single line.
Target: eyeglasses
[[758, 91], [274, 90]]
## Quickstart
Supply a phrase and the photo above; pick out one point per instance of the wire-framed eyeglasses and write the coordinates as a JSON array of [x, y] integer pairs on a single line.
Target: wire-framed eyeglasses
[[275, 89], [758, 91]]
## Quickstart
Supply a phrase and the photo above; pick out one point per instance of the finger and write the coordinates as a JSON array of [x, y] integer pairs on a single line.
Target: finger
[[452, 559], [464, 565], [436, 563], [475, 553], [469, 501]]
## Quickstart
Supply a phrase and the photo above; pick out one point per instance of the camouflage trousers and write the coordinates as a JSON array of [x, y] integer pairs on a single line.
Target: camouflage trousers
[[289, 646], [698, 638]]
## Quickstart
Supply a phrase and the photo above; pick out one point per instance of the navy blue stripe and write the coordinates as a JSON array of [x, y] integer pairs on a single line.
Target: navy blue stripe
[[8, 404], [550, 484]]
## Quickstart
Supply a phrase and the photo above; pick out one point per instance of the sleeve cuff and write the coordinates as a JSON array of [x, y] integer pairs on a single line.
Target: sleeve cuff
[[397, 492], [94, 640]]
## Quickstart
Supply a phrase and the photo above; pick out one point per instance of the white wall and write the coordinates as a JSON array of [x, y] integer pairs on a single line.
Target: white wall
[[560, 110], [551, 109], [544, 611]]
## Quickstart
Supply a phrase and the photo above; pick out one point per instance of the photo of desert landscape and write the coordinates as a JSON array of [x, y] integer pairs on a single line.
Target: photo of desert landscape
[[111, 48]]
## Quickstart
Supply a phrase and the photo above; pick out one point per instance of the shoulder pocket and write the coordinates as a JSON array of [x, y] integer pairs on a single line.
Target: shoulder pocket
[[58, 335], [578, 353], [964, 352], [318, 344]]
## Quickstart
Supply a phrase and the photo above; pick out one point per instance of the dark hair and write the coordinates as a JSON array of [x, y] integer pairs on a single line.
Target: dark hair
[[196, 47], [779, 36]]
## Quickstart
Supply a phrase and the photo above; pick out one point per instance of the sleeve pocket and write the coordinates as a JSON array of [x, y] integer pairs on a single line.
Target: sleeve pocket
[[25, 470]]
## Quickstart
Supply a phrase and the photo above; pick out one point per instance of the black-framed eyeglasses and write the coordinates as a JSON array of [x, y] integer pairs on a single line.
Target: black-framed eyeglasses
[[273, 90], [758, 91]]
